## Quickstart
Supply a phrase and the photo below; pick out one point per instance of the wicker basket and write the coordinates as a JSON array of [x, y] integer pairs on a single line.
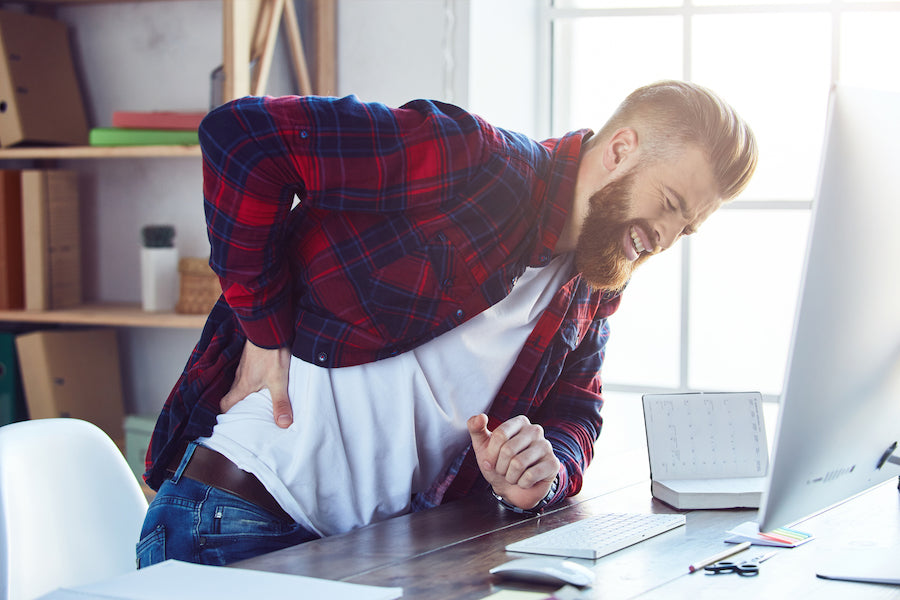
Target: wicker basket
[[200, 288]]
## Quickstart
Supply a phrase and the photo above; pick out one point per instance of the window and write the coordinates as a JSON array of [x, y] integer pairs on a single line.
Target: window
[[716, 311]]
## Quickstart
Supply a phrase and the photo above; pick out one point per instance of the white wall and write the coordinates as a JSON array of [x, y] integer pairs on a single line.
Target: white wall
[[159, 55]]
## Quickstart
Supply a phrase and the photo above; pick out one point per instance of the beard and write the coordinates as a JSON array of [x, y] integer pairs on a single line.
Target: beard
[[599, 255]]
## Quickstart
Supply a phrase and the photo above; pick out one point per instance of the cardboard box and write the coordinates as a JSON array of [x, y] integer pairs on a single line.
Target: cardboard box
[[40, 99], [73, 374]]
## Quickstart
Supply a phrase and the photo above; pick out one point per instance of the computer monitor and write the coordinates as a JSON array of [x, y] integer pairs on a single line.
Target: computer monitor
[[839, 419]]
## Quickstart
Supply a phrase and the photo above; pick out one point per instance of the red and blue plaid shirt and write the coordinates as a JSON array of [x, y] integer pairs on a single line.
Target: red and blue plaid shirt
[[409, 222]]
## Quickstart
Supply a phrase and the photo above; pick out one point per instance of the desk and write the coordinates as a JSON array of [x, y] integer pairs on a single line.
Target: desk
[[446, 552]]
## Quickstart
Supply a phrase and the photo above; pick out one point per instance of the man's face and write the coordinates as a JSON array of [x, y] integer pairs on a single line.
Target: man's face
[[641, 213]]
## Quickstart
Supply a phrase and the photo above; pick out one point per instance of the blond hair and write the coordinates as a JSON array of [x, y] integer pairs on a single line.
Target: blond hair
[[669, 115]]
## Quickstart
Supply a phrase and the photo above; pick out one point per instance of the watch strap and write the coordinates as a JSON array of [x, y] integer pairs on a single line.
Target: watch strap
[[537, 508]]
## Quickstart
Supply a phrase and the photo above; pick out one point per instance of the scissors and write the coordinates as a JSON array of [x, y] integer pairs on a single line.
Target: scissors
[[748, 568]]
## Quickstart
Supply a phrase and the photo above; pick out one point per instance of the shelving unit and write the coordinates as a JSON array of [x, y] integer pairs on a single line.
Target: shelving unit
[[76, 152], [238, 18], [115, 315]]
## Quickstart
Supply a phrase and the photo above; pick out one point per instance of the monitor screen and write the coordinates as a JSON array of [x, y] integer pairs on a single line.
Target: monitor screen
[[840, 407]]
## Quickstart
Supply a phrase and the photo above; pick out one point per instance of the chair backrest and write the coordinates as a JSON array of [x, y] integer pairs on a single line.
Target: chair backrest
[[71, 509]]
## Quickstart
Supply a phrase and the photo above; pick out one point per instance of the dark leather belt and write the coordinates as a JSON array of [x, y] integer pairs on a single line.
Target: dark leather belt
[[211, 468]]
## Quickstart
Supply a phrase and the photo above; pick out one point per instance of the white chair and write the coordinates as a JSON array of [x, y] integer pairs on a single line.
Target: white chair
[[71, 509]]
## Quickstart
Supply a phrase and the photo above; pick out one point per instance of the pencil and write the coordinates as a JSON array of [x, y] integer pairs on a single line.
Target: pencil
[[716, 558]]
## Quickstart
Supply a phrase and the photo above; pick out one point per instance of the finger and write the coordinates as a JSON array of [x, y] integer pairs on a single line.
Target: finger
[[481, 438], [478, 431], [506, 431], [524, 434], [233, 396], [532, 465], [281, 406]]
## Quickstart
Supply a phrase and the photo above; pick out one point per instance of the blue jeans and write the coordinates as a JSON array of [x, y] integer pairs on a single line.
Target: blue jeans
[[194, 522]]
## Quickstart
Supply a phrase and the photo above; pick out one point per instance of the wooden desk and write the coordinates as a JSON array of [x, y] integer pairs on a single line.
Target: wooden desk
[[445, 553]]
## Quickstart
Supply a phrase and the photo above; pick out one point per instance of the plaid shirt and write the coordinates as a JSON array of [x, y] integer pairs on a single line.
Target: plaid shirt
[[409, 222]]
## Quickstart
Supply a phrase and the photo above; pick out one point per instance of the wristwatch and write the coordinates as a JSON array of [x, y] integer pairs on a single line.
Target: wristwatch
[[534, 510]]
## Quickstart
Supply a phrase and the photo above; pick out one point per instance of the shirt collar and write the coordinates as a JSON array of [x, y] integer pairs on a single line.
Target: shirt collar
[[557, 193]]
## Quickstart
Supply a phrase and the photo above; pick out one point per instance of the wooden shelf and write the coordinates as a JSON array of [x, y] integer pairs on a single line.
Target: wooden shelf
[[114, 315], [75, 152]]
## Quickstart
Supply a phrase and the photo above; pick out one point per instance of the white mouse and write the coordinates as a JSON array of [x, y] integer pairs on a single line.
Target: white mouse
[[546, 569]]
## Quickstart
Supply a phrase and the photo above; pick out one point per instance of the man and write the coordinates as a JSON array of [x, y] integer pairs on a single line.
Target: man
[[427, 322]]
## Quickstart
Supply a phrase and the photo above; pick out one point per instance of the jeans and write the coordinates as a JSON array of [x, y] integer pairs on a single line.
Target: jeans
[[194, 522]]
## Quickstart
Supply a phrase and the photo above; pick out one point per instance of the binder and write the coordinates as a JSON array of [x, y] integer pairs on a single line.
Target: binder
[[52, 239], [12, 283], [39, 89], [12, 400], [74, 373]]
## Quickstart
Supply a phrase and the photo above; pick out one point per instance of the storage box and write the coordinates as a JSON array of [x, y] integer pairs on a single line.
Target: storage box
[[199, 286], [138, 429], [40, 99], [73, 373]]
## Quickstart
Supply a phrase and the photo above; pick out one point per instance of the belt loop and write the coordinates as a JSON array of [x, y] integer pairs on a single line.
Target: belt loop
[[185, 459]]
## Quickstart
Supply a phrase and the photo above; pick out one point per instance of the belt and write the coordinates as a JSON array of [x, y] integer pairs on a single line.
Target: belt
[[211, 468]]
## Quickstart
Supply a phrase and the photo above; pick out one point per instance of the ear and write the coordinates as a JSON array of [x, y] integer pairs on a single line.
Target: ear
[[622, 144]]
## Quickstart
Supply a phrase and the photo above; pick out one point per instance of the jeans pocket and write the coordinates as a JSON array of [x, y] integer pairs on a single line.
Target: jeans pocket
[[151, 549]]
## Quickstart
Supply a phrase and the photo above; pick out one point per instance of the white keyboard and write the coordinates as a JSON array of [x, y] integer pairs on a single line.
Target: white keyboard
[[598, 535]]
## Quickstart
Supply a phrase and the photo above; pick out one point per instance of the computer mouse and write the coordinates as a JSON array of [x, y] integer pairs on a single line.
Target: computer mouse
[[546, 569]]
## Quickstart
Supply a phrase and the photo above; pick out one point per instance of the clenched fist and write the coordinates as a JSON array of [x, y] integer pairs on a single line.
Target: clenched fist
[[515, 458]]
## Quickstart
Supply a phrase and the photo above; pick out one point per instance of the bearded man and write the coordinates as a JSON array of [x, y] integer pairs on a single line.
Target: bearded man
[[426, 321]]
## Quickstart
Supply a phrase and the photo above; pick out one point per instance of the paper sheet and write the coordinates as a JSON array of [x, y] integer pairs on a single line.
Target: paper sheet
[[175, 580], [868, 565], [705, 435]]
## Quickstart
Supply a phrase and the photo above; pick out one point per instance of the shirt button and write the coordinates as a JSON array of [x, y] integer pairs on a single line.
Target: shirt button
[[459, 314], [441, 237], [545, 257], [447, 283], [304, 134], [322, 357]]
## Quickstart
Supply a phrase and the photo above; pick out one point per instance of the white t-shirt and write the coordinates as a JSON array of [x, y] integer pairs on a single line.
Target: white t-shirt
[[367, 437]]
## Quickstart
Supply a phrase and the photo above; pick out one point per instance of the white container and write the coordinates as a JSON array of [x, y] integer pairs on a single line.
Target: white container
[[159, 279]]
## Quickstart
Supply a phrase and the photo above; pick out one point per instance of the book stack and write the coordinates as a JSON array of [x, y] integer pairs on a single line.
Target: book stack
[[157, 128], [40, 240]]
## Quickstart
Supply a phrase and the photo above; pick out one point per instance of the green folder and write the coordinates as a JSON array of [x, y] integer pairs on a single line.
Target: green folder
[[12, 400], [117, 136]]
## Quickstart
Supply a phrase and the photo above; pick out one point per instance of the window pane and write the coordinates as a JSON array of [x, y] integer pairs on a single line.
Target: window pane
[[615, 3], [869, 44], [776, 71], [591, 78], [746, 267], [645, 332], [756, 2]]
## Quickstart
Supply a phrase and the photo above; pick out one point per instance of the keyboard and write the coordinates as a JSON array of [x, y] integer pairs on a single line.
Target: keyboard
[[598, 535]]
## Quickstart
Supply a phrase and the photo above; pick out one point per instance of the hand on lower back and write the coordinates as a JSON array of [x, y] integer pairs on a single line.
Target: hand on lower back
[[261, 368]]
